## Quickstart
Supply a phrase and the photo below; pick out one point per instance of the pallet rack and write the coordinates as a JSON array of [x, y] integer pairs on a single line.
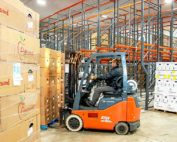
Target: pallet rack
[[137, 27]]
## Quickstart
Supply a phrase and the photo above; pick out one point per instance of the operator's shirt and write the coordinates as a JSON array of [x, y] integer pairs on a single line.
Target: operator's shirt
[[111, 77]]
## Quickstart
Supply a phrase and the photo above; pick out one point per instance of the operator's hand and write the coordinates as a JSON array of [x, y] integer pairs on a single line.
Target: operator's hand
[[93, 77]]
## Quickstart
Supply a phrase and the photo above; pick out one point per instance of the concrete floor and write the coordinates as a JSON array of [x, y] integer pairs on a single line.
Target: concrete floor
[[155, 127]]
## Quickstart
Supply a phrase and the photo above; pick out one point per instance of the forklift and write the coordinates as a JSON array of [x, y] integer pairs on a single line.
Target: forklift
[[115, 111]]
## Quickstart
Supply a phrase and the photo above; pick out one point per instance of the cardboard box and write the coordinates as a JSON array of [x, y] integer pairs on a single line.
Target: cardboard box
[[44, 72], [53, 116], [11, 82], [49, 63], [57, 113], [32, 26], [50, 105], [160, 66], [169, 66], [45, 53], [53, 90], [44, 77], [49, 72], [158, 101], [172, 103], [175, 66], [18, 4], [18, 47], [62, 88], [54, 54], [173, 73], [26, 131], [53, 66], [59, 55], [44, 62], [45, 116], [52, 79], [45, 119], [159, 82], [59, 100], [173, 87], [63, 58], [45, 104], [62, 73], [17, 78], [45, 91], [15, 108], [58, 76], [31, 75], [46, 110], [62, 98], [16, 15]]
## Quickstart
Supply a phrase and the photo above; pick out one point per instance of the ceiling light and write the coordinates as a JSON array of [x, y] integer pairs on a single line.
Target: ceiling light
[[41, 2], [104, 16], [168, 1]]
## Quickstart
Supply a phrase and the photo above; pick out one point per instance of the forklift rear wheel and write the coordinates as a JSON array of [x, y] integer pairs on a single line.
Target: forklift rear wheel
[[122, 128], [74, 123]]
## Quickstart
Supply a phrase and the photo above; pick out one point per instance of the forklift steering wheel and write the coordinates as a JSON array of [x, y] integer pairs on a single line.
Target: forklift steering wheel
[[119, 82]]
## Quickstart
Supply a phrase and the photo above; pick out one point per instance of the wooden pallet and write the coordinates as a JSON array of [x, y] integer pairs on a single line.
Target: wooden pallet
[[160, 110]]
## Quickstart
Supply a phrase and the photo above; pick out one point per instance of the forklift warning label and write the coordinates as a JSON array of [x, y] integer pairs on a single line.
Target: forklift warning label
[[105, 119]]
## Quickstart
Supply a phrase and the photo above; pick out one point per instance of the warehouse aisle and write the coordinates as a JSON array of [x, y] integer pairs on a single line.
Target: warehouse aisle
[[155, 127]]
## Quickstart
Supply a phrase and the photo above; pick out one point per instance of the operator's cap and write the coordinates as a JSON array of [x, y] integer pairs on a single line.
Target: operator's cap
[[114, 61]]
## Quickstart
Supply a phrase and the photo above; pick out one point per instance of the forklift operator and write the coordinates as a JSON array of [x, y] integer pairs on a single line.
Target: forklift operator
[[110, 79]]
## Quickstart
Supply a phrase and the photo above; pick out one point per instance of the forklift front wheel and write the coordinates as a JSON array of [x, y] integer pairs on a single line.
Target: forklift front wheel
[[74, 123], [122, 128]]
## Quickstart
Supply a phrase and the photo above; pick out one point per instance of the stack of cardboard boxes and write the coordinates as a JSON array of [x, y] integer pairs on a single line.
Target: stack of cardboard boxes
[[19, 73], [52, 84], [166, 86]]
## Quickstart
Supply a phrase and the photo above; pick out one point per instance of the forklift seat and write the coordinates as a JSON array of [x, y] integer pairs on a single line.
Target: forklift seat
[[111, 98]]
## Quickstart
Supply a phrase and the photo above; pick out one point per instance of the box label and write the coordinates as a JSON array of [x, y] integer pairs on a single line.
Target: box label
[[23, 108], [22, 48], [17, 74]]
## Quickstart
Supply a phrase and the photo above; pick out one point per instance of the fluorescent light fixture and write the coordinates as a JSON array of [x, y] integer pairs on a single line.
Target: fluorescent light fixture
[[104, 16], [168, 1], [41, 2]]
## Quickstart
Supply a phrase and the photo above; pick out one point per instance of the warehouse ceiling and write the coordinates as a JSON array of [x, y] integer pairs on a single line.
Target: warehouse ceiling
[[55, 5], [50, 7]]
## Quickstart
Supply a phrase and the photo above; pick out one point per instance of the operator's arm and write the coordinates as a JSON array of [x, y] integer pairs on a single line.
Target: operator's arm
[[110, 75]]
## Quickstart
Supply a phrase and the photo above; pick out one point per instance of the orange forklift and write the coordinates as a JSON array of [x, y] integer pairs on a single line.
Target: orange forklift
[[118, 111]]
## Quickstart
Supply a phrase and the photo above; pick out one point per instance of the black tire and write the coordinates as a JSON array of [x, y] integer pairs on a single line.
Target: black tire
[[122, 128], [74, 123]]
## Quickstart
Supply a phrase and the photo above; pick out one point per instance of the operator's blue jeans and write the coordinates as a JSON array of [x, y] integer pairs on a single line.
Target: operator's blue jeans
[[99, 90]]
